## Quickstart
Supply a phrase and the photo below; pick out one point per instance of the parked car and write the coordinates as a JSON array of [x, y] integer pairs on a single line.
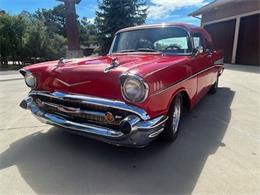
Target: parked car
[[134, 94]]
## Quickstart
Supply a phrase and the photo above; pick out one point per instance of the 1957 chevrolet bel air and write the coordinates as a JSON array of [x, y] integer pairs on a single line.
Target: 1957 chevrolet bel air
[[137, 92]]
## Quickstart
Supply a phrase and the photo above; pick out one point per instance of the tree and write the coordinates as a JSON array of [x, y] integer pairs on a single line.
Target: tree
[[54, 19], [48, 48], [25, 39], [113, 15], [88, 32], [12, 29]]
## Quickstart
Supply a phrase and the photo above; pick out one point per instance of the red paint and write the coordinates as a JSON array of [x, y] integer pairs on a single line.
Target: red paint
[[191, 74]]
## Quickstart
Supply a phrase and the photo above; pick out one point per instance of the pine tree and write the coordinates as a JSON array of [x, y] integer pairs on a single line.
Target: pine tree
[[113, 15]]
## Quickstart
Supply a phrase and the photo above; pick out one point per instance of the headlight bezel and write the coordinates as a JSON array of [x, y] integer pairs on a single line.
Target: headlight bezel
[[133, 77], [29, 75]]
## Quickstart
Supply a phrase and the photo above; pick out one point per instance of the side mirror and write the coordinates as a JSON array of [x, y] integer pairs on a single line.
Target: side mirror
[[198, 50]]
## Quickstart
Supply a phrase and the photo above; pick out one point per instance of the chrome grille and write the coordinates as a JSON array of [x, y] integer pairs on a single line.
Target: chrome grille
[[79, 111]]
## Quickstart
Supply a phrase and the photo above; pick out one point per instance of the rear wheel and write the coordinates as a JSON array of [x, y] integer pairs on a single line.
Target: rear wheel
[[214, 87], [171, 128]]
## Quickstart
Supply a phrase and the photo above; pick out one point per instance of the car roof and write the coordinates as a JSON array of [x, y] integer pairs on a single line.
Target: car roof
[[187, 27]]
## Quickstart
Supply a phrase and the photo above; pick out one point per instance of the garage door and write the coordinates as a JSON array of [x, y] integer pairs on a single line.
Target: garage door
[[248, 49], [223, 36]]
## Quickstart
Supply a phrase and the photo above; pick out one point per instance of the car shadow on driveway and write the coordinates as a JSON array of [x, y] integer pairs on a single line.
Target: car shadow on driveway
[[59, 162]]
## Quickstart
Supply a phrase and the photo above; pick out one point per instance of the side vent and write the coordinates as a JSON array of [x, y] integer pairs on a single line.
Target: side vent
[[157, 85]]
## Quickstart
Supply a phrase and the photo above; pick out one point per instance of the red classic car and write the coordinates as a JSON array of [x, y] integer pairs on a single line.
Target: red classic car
[[137, 92]]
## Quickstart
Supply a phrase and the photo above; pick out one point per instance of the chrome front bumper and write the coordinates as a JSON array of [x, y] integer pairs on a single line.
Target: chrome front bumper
[[141, 129]]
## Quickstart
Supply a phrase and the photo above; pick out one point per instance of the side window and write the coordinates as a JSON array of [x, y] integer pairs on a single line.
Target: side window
[[198, 40]]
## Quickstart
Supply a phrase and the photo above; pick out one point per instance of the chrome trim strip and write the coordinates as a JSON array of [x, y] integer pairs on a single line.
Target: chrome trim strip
[[96, 101], [149, 124], [152, 135], [196, 74]]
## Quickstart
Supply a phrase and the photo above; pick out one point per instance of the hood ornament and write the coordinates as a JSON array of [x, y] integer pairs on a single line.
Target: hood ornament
[[60, 62], [114, 64]]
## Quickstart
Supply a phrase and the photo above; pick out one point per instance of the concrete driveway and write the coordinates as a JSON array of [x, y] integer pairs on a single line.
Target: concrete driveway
[[218, 149]]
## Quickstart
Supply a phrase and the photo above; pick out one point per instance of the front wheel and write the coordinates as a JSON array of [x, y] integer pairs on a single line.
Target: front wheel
[[171, 128]]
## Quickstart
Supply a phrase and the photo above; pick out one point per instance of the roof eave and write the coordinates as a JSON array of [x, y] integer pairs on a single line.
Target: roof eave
[[209, 7]]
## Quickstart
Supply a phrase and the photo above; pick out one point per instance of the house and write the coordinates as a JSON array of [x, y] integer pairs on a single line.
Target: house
[[235, 28]]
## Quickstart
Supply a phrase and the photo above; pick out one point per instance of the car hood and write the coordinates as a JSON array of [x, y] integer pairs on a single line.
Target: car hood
[[87, 75]]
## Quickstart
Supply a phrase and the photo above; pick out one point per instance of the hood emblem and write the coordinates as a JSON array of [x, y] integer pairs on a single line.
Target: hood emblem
[[71, 84], [113, 65]]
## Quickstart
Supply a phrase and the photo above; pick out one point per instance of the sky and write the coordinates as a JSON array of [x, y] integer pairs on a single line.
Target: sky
[[159, 10]]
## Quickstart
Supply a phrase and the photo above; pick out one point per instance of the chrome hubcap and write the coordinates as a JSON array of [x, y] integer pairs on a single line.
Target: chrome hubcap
[[176, 115]]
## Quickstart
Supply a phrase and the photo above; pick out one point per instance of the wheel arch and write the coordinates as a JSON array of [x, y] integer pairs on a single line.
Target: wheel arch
[[186, 101]]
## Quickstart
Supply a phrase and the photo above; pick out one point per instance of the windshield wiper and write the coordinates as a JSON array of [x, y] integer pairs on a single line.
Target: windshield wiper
[[139, 49], [127, 50], [147, 50]]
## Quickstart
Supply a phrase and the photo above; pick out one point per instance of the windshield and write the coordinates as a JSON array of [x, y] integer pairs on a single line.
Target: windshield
[[172, 40]]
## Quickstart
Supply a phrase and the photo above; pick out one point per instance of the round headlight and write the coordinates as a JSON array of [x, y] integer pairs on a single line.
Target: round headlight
[[134, 89], [30, 80]]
